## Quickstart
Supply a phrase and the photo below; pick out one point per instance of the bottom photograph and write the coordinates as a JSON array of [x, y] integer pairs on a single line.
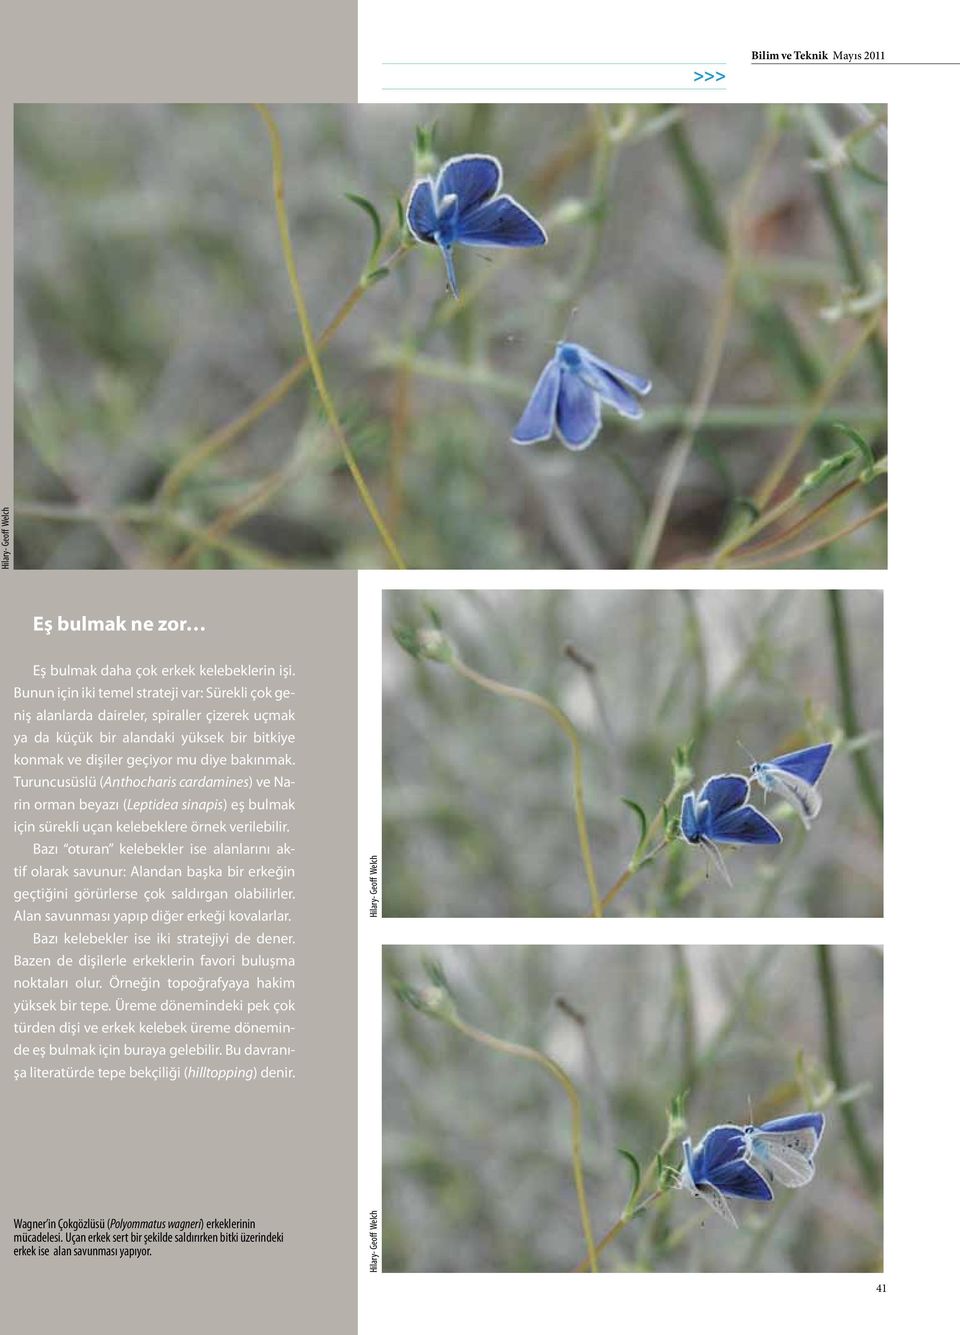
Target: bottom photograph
[[632, 1108]]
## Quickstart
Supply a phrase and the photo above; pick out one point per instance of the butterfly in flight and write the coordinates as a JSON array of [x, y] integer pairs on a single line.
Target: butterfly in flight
[[718, 1168], [719, 814], [567, 398], [785, 1147], [793, 777], [462, 205]]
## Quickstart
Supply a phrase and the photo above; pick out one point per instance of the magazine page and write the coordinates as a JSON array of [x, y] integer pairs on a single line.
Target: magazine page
[[452, 647]]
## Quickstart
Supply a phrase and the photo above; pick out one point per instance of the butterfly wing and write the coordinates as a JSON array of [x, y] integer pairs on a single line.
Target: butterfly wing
[[689, 825], [578, 411], [719, 1169], [723, 1144], [709, 1193], [422, 212], [500, 222], [618, 388], [800, 1132], [692, 1180], [796, 792], [786, 1165], [741, 1179], [473, 178], [786, 1146], [742, 825], [724, 792], [806, 764], [537, 420], [713, 853]]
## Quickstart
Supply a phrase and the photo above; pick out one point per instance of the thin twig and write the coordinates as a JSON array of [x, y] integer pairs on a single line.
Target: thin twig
[[276, 149], [570, 732], [712, 356], [576, 1113]]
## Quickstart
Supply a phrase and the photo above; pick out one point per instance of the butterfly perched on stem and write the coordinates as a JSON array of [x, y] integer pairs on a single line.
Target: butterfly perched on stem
[[720, 814], [785, 1147], [718, 1168], [462, 205], [568, 396], [793, 777]]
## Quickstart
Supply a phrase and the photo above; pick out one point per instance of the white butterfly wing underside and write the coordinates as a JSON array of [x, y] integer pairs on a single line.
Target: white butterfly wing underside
[[786, 1155], [714, 855], [805, 799], [714, 1198]]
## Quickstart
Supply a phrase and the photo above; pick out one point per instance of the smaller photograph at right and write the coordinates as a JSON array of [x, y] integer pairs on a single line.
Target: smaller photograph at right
[[657, 753]]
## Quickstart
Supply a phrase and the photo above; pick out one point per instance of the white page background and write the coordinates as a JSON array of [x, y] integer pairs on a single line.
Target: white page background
[[921, 866]]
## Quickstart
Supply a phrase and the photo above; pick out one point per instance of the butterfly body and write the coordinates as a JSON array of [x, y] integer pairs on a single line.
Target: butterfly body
[[718, 1168], [793, 778], [720, 814], [462, 205], [785, 1147], [568, 396]]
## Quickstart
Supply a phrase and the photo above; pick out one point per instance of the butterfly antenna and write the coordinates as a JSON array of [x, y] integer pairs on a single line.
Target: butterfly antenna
[[566, 327], [753, 758]]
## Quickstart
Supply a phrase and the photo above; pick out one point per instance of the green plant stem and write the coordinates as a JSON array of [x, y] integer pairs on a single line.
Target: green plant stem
[[147, 514], [866, 780], [790, 503], [570, 732], [712, 355], [869, 1170], [629, 872], [840, 225], [795, 553], [683, 991], [773, 327], [225, 435], [276, 150], [576, 1113], [819, 401], [604, 1242], [632, 1211]]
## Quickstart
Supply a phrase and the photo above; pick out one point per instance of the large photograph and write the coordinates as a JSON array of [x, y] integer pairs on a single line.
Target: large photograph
[[632, 753], [483, 336], [632, 1108]]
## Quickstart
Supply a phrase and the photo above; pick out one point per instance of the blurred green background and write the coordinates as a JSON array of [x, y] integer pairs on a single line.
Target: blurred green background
[[478, 815], [152, 307], [476, 1163]]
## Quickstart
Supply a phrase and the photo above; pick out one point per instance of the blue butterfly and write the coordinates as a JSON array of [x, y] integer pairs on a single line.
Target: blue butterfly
[[793, 777], [718, 1168], [568, 395], [720, 815], [785, 1147], [462, 206]]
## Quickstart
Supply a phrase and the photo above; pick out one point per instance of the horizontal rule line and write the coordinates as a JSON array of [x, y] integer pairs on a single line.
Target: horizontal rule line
[[545, 88], [863, 64], [598, 63]]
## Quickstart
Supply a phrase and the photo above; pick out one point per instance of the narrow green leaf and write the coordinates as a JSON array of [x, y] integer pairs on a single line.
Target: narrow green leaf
[[870, 464], [374, 217], [640, 814], [635, 1174]]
